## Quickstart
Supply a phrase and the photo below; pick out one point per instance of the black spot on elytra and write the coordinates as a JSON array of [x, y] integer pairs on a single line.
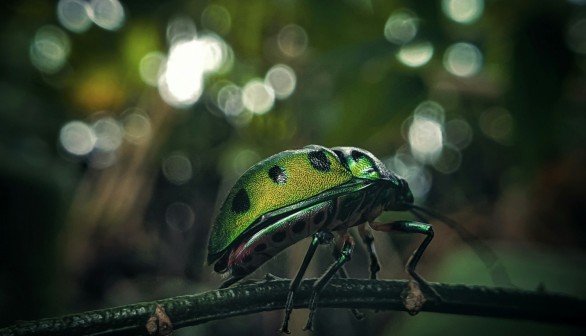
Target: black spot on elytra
[[260, 247], [278, 174], [278, 236], [241, 201], [319, 160], [298, 227], [318, 217]]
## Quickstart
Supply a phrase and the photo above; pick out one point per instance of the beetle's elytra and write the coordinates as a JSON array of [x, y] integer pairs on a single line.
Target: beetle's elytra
[[312, 191]]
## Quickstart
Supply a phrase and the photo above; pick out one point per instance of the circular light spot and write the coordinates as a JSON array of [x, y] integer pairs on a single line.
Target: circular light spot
[[497, 124], [49, 49], [181, 83], [150, 67], [425, 138], [108, 134], [74, 15], [401, 27], [282, 79], [258, 97], [418, 178], [179, 216], [102, 159], [449, 160], [463, 11], [77, 138], [463, 59], [458, 133], [180, 29], [292, 40], [108, 14], [430, 109], [216, 18], [137, 126], [416, 54], [230, 100], [177, 168]]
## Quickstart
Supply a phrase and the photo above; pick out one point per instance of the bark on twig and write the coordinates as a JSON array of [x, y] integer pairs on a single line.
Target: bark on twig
[[267, 295]]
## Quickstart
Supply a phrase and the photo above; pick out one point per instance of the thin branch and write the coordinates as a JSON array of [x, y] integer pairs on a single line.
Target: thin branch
[[271, 294]]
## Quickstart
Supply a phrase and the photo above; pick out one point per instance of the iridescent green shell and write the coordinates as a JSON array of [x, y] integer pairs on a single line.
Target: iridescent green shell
[[281, 180]]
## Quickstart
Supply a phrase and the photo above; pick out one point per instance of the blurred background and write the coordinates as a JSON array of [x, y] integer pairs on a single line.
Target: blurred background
[[123, 124]]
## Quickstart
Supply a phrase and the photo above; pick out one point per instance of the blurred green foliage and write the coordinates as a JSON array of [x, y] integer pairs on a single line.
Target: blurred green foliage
[[109, 187]]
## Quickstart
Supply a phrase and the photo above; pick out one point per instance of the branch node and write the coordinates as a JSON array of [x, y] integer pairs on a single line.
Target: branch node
[[159, 324], [413, 298]]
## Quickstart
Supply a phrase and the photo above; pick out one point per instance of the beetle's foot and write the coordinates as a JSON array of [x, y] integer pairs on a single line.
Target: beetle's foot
[[309, 324], [285, 328], [272, 277], [413, 298]]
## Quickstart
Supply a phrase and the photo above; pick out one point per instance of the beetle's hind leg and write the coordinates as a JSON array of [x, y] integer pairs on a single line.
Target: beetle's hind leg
[[412, 227], [320, 237], [318, 286]]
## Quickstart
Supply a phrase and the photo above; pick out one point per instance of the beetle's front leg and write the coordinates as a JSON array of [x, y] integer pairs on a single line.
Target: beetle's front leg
[[412, 227]]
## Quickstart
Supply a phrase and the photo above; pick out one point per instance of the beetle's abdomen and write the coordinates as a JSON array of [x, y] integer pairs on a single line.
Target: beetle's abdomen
[[268, 242]]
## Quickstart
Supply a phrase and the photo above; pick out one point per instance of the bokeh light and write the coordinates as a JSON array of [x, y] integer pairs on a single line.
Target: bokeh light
[[229, 100], [292, 40], [77, 138], [258, 97], [150, 67], [426, 134], [463, 11], [109, 134], [449, 161], [181, 80], [417, 176], [179, 216], [281, 78], [136, 125], [74, 15], [217, 19], [497, 124], [401, 27], [108, 14], [415, 54], [463, 60], [49, 49], [458, 133], [177, 168]]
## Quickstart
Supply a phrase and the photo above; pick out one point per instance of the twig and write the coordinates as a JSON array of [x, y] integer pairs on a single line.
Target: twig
[[189, 310]]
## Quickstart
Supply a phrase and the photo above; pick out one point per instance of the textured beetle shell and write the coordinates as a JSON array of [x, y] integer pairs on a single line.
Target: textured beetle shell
[[281, 180]]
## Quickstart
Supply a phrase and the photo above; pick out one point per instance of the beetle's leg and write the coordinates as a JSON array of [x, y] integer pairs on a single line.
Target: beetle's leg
[[320, 237], [318, 286], [342, 273], [412, 227], [368, 239]]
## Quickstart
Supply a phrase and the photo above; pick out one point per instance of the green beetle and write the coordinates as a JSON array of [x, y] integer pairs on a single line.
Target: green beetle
[[313, 191]]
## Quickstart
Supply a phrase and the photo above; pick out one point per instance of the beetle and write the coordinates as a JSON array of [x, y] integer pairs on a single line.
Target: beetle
[[313, 191]]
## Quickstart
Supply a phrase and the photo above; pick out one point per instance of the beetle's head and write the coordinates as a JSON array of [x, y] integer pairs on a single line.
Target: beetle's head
[[403, 199]]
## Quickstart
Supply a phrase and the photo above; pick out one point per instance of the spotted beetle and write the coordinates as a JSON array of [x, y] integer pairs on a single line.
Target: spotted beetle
[[313, 191]]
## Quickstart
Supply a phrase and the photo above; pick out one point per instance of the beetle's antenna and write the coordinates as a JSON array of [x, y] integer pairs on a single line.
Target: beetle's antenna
[[489, 258]]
